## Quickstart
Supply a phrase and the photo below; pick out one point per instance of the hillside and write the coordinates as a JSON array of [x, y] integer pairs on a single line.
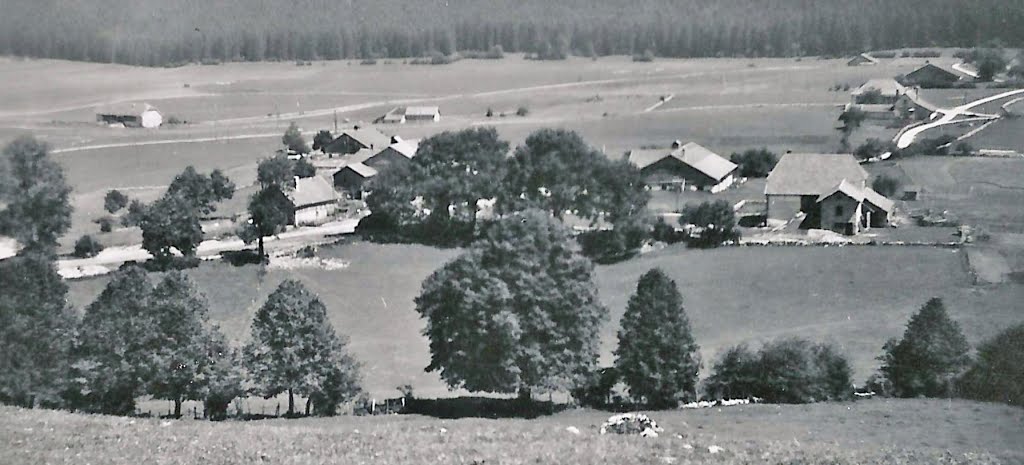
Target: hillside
[[155, 32], [866, 432]]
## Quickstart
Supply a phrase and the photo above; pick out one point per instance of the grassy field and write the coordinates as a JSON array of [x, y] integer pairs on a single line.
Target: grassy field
[[855, 297], [866, 432]]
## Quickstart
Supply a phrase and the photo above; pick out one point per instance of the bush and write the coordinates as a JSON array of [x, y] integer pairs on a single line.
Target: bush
[[368, 61], [786, 371], [647, 56], [596, 389], [664, 232], [883, 54], [998, 374], [886, 185], [755, 163], [136, 210], [114, 201], [490, 112], [522, 111], [106, 224], [714, 222], [86, 247], [929, 357], [872, 148]]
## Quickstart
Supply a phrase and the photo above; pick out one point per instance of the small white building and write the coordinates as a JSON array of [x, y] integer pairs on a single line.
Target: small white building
[[130, 115], [401, 115], [314, 201]]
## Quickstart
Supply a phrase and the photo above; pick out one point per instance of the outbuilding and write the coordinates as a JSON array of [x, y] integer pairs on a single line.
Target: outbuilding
[[356, 139], [130, 115], [684, 165], [314, 201]]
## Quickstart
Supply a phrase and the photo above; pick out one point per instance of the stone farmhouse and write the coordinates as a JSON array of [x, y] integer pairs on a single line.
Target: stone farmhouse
[[689, 165]]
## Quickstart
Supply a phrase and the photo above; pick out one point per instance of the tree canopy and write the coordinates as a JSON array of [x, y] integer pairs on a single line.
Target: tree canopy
[[34, 204], [716, 222], [293, 140], [518, 311], [657, 356], [997, 374], [931, 354]]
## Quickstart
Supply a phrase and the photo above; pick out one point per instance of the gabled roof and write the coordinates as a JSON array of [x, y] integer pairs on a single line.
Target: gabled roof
[[407, 148], [878, 200], [369, 137], [934, 68], [361, 169], [864, 57], [692, 154], [360, 156], [914, 95], [422, 111], [124, 109], [887, 87], [311, 191], [813, 173], [844, 187]]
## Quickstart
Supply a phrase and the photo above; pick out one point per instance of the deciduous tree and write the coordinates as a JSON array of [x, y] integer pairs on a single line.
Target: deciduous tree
[[997, 375], [931, 354], [114, 201], [293, 139], [716, 222], [34, 205]]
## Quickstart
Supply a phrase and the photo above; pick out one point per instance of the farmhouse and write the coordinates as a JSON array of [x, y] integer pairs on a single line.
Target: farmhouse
[[352, 177], [862, 60], [361, 166], [356, 139], [401, 151], [130, 115], [401, 115], [912, 105], [313, 201], [684, 165], [930, 75], [830, 190], [878, 91]]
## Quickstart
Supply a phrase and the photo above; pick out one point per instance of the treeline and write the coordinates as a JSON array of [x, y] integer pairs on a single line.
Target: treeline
[[155, 33]]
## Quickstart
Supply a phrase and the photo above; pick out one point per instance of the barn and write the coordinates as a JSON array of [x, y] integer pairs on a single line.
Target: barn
[[878, 91], [862, 60], [131, 115], [684, 165], [827, 191], [314, 201], [912, 105], [401, 115], [356, 139], [399, 152], [352, 178], [931, 75]]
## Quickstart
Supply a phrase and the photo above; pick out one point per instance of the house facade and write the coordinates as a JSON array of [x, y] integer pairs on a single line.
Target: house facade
[[314, 201], [689, 165]]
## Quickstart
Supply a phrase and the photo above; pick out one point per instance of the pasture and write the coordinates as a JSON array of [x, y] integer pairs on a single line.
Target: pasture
[[866, 432], [857, 297]]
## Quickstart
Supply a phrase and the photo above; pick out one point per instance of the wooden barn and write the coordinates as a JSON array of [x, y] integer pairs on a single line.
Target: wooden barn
[[930, 75], [356, 139], [878, 91], [862, 60], [352, 179], [399, 152], [689, 165], [131, 115], [314, 201]]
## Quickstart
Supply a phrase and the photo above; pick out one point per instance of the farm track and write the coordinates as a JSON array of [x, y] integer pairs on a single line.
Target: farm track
[[949, 117]]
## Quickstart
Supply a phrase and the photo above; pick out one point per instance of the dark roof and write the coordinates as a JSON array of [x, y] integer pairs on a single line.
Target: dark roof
[[935, 69], [846, 188], [692, 154], [813, 173], [312, 191]]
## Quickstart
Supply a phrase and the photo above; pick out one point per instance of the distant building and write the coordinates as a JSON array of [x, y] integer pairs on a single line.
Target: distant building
[[829, 189], [314, 201], [356, 139], [684, 165], [912, 105], [401, 151], [931, 75], [878, 91], [364, 165], [352, 179], [401, 115], [131, 115], [862, 60]]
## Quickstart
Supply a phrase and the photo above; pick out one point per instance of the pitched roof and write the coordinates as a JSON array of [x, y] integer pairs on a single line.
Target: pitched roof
[[124, 108], [887, 87], [369, 137], [692, 154], [407, 148], [422, 111], [311, 191], [933, 67], [846, 188], [914, 95], [813, 173], [360, 156], [361, 169], [878, 200], [864, 57]]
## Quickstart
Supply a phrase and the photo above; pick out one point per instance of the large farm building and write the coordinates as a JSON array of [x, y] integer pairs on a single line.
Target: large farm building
[[682, 166]]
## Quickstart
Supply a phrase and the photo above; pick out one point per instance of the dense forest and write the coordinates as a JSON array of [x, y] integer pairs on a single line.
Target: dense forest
[[167, 32]]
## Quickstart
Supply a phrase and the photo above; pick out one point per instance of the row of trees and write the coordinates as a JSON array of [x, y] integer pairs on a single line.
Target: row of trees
[[193, 31]]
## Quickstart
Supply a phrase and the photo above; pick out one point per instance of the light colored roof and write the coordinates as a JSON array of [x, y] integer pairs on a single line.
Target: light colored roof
[[887, 87], [878, 200], [873, 107], [369, 137], [422, 111], [311, 191], [125, 108], [692, 154], [407, 148], [362, 170], [360, 156], [813, 173], [846, 188]]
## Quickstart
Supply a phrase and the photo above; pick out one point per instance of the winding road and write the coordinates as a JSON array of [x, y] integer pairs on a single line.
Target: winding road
[[948, 117]]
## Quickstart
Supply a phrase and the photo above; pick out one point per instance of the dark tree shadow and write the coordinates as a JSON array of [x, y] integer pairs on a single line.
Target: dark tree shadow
[[481, 407]]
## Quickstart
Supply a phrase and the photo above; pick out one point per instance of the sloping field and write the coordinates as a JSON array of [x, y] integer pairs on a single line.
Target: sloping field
[[868, 432]]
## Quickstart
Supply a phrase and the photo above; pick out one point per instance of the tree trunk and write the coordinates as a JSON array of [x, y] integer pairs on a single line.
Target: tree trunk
[[260, 242], [177, 408], [291, 402], [309, 402]]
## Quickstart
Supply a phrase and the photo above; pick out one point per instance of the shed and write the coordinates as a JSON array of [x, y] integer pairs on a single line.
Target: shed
[[863, 59], [314, 201], [401, 151], [134, 115], [352, 178], [689, 164]]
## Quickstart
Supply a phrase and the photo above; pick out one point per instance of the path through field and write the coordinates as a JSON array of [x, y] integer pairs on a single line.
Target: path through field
[[948, 117]]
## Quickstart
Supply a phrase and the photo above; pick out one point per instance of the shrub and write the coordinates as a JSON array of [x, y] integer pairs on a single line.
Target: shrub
[[785, 371], [522, 111], [997, 374], [490, 112], [852, 119], [883, 54], [596, 389], [368, 61], [136, 210], [872, 148], [963, 149], [106, 224], [886, 185], [755, 163], [931, 354], [647, 56], [114, 201], [715, 223], [664, 232], [86, 247]]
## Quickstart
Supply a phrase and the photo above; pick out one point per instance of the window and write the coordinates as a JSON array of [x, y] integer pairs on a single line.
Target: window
[[839, 210]]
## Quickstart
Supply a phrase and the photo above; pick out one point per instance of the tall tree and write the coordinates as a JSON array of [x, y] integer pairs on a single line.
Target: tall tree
[[322, 139], [998, 374], [518, 311], [34, 205], [36, 328], [269, 213], [657, 356], [293, 139], [117, 339], [202, 191], [294, 348], [931, 354], [172, 222]]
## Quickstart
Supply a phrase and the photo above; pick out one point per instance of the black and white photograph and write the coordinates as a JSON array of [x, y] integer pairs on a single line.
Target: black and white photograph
[[510, 232]]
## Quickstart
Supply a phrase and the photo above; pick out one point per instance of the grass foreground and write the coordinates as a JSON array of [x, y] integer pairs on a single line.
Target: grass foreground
[[874, 431]]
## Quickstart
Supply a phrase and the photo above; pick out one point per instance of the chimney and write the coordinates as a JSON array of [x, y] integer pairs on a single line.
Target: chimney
[[677, 143]]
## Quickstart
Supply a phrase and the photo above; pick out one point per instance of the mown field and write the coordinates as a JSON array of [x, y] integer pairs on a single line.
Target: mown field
[[856, 297], [866, 432]]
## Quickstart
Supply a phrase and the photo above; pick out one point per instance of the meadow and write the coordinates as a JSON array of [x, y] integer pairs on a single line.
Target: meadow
[[865, 432]]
